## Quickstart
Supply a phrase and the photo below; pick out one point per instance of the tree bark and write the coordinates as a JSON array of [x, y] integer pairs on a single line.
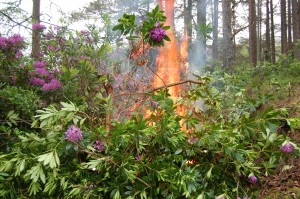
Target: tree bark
[[296, 29], [289, 26], [227, 34], [252, 33], [267, 53], [201, 40], [273, 58], [215, 29], [283, 27], [188, 25], [36, 44], [259, 32]]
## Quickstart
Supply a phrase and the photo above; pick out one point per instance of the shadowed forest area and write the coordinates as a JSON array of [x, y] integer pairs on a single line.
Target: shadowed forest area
[[150, 99]]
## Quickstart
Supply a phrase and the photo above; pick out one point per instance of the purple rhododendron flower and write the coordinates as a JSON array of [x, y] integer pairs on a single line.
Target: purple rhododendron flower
[[41, 54], [138, 158], [252, 179], [51, 48], [84, 32], [49, 36], [157, 34], [73, 134], [3, 42], [37, 26], [287, 148], [99, 145], [37, 81], [83, 57], [49, 77], [54, 84], [153, 103], [39, 64], [18, 55], [16, 39], [41, 71], [13, 79], [14, 42]]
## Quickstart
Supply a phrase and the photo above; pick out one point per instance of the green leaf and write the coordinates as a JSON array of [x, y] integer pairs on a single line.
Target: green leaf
[[167, 38], [34, 188], [178, 152], [50, 158], [68, 107], [118, 27]]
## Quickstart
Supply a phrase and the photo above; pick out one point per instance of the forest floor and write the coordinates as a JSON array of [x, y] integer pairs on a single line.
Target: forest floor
[[285, 182]]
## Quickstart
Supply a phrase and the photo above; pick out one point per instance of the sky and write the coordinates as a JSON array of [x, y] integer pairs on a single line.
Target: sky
[[50, 9], [52, 12]]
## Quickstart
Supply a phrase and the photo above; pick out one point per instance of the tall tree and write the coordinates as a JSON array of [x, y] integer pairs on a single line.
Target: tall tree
[[273, 58], [259, 30], [36, 44], [289, 25], [252, 33], [296, 24], [227, 34], [201, 30], [215, 29], [188, 18], [267, 53], [283, 26]]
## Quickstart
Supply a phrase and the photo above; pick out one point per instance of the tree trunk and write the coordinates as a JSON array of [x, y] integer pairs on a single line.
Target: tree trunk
[[201, 40], [296, 24], [227, 34], [188, 25], [267, 53], [283, 26], [259, 32], [36, 45], [273, 58], [215, 29], [290, 45], [252, 33]]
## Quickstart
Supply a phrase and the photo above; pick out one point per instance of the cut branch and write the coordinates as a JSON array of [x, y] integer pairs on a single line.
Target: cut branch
[[162, 87]]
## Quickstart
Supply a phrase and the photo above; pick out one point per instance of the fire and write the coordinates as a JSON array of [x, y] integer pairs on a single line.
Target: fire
[[172, 58], [168, 59]]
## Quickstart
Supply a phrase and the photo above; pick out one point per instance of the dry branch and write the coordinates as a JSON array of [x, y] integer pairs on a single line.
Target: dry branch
[[161, 87]]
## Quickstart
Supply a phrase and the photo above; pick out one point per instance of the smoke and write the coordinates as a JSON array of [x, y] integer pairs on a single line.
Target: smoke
[[196, 59]]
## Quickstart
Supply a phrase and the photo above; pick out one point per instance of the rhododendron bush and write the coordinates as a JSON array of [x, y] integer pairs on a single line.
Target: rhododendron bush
[[71, 126]]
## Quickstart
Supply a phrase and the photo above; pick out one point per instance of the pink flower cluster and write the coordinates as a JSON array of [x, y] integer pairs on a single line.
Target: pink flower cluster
[[39, 27], [73, 134], [252, 179], [99, 145], [153, 103], [157, 33], [14, 43], [287, 148], [42, 77]]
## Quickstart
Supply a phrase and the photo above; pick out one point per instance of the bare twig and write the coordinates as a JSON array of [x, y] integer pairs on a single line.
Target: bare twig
[[161, 87], [157, 75], [14, 21]]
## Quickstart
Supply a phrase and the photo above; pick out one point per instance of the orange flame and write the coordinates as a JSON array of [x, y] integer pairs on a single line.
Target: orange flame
[[168, 59], [172, 58]]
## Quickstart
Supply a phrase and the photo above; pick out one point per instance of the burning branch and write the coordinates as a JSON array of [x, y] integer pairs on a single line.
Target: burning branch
[[162, 87]]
